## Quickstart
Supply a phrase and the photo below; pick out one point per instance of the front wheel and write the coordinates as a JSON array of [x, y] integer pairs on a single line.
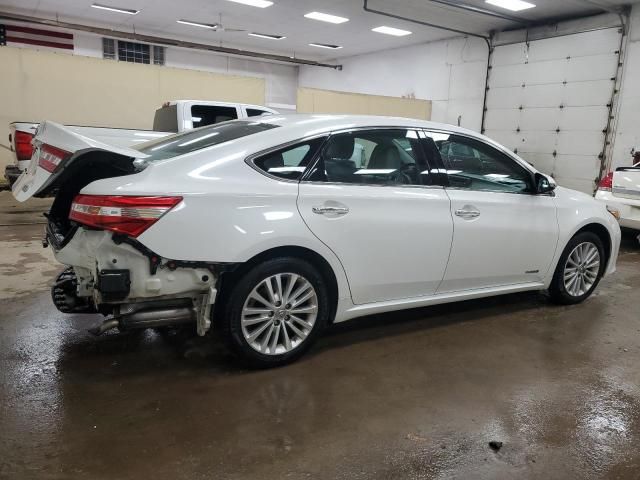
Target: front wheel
[[275, 312], [579, 270]]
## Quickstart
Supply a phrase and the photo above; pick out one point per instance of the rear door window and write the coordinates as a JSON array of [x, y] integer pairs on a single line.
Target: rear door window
[[202, 115], [192, 140]]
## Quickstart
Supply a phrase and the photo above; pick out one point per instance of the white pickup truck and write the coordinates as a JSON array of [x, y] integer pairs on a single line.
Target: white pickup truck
[[172, 117]]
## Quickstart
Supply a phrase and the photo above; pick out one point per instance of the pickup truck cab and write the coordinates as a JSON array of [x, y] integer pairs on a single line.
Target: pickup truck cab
[[174, 116]]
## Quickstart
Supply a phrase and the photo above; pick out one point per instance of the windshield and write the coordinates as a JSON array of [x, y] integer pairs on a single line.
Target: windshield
[[192, 140]]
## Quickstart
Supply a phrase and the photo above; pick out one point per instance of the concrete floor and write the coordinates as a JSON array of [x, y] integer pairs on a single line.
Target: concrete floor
[[418, 394]]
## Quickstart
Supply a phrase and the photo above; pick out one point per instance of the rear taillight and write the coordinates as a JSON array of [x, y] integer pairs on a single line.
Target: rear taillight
[[22, 145], [128, 215], [607, 182], [50, 157]]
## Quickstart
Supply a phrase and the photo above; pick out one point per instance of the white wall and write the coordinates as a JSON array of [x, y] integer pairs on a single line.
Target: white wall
[[627, 133], [451, 73], [281, 80]]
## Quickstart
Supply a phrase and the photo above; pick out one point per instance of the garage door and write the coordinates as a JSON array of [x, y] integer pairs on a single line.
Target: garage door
[[548, 100]]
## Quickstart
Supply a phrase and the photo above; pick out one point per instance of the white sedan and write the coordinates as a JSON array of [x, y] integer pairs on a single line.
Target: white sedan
[[271, 229]]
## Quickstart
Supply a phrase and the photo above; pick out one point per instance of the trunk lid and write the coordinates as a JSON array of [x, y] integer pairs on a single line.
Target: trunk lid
[[56, 147], [626, 182]]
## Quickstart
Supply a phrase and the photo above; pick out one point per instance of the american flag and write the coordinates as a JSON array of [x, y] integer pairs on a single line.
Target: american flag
[[21, 35]]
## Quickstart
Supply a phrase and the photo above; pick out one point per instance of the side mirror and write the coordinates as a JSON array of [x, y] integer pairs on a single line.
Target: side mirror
[[544, 184]]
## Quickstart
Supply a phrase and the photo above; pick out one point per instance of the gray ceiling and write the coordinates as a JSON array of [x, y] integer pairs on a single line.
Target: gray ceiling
[[285, 17]]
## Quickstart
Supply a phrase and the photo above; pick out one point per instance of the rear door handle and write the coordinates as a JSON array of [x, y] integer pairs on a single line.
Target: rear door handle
[[326, 210], [467, 213]]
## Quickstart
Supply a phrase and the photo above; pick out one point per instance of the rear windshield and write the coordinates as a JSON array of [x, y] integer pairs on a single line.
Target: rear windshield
[[192, 140], [166, 119]]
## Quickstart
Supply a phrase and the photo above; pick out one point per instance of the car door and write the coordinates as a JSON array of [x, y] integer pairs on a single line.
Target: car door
[[504, 233], [370, 198]]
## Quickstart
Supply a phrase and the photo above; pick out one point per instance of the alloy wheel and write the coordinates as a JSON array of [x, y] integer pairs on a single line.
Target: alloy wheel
[[581, 269], [279, 313]]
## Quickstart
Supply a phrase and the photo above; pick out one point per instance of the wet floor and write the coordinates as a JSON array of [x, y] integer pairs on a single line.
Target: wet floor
[[410, 395]]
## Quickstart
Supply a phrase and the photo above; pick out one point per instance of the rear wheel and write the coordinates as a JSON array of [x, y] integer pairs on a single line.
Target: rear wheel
[[275, 312], [579, 270]]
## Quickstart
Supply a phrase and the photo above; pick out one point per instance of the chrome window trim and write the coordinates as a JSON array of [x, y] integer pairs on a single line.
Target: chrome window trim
[[338, 184]]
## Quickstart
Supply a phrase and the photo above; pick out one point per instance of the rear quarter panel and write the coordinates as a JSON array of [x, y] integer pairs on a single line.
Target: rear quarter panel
[[229, 212]]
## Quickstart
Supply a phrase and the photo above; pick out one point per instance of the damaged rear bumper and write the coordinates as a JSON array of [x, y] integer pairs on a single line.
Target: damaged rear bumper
[[124, 278], [94, 253]]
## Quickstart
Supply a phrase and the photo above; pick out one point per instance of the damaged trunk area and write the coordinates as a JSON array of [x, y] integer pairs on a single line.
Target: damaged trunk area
[[83, 170], [110, 271]]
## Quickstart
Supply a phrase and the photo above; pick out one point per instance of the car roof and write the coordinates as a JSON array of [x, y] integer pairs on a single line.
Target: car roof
[[304, 125]]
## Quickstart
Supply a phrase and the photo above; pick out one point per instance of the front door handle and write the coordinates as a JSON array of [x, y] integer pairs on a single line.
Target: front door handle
[[467, 213], [327, 210]]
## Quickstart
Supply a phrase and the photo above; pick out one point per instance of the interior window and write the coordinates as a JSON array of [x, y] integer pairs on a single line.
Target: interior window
[[475, 165], [379, 157], [202, 115], [254, 112], [289, 162]]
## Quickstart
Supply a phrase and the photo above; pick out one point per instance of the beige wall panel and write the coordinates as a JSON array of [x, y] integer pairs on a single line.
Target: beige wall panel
[[312, 100], [38, 85]]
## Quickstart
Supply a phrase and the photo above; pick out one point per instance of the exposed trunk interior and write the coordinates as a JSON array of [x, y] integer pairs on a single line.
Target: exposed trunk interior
[[80, 172]]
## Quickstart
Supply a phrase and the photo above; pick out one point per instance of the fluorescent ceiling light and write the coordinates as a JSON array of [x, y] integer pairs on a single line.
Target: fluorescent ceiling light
[[325, 17], [211, 26], [325, 45], [396, 32], [267, 36], [513, 5], [128, 11], [254, 3]]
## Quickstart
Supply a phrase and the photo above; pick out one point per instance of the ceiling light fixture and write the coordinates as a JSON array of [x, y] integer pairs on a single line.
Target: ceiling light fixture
[[325, 17], [254, 3], [396, 32], [128, 11], [325, 45], [513, 5], [265, 35], [211, 26]]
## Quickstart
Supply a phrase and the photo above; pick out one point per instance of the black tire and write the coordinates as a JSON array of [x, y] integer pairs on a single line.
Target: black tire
[[557, 289], [63, 294], [231, 312]]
